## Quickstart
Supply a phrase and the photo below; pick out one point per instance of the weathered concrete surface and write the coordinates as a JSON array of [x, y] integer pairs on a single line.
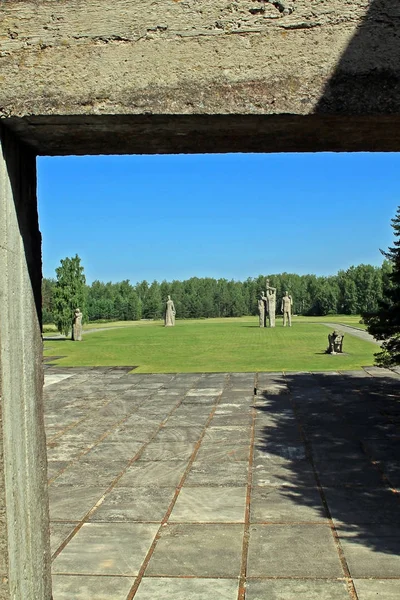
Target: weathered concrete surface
[[3, 524], [24, 531], [333, 58], [213, 56]]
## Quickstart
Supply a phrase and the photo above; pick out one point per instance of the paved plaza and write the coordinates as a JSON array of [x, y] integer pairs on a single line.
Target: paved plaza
[[235, 486]]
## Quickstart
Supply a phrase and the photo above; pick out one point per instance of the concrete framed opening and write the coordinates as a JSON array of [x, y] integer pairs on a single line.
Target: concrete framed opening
[[163, 78], [22, 377]]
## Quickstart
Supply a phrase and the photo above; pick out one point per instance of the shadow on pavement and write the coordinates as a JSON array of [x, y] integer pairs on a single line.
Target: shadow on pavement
[[331, 442]]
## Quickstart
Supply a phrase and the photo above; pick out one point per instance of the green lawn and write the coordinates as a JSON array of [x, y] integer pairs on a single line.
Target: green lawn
[[212, 345]]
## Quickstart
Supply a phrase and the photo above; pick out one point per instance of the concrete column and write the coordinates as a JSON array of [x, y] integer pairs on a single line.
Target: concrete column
[[24, 517]]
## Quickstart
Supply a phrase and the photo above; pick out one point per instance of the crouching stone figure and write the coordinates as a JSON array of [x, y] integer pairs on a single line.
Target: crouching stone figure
[[335, 345]]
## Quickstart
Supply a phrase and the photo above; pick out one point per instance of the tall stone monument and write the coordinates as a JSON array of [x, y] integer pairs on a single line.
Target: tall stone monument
[[77, 326], [286, 308], [261, 309], [271, 303], [170, 312]]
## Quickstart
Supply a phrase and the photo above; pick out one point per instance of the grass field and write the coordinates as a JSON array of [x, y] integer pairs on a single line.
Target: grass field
[[212, 345]]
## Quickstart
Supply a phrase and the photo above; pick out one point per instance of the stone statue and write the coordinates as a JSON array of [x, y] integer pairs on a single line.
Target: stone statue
[[261, 309], [335, 343], [169, 320], [271, 304], [286, 308], [77, 326]]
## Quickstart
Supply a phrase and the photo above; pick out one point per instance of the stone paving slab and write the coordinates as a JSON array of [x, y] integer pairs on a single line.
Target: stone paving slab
[[292, 551], [54, 467], [280, 505], [167, 451], [78, 587], [179, 434], [72, 503], [106, 549], [340, 475], [189, 485], [296, 590], [223, 452], [52, 378], [234, 433], [160, 588], [382, 589], [153, 473], [114, 450], [210, 504], [198, 551], [374, 505], [59, 533], [286, 477], [87, 472], [372, 551], [233, 473], [134, 504]]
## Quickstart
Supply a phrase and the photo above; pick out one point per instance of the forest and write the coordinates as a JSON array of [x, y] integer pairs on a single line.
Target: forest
[[353, 291]]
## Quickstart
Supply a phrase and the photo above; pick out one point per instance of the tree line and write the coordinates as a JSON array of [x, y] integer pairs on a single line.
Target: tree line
[[384, 322], [356, 290]]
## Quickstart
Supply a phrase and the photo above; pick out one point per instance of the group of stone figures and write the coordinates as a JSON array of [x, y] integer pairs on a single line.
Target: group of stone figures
[[267, 307]]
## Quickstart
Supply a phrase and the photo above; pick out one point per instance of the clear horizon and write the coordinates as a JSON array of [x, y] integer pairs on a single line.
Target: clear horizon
[[229, 216]]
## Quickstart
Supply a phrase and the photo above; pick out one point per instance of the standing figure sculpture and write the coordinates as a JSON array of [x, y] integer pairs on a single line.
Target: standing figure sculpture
[[286, 308], [271, 304], [77, 326], [169, 320], [261, 309]]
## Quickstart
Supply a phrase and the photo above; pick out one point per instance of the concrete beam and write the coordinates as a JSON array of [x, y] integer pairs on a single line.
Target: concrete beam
[[85, 57], [24, 524], [174, 134]]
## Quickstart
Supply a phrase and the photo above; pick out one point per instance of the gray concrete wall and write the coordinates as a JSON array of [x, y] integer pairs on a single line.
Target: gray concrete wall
[[133, 76], [198, 57], [4, 589], [24, 525]]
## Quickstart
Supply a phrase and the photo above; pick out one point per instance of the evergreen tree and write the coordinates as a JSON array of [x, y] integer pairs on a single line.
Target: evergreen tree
[[326, 298], [47, 300], [384, 324], [134, 309], [153, 303], [69, 293], [352, 291]]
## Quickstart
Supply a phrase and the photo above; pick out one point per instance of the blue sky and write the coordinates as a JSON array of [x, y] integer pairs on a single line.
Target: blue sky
[[232, 215]]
